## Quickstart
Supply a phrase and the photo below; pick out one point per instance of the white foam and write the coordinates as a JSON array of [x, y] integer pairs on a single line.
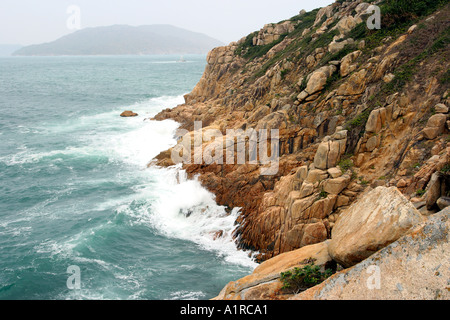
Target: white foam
[[175, 206], [184, 209]]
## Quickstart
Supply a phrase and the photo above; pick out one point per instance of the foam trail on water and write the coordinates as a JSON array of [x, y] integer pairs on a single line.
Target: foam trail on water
[[176, 207]]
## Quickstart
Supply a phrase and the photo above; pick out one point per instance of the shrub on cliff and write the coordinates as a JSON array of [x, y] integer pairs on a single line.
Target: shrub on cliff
[[301, 279], [400, 11]]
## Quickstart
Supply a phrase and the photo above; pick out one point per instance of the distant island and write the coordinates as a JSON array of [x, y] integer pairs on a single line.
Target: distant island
[[125, 40]]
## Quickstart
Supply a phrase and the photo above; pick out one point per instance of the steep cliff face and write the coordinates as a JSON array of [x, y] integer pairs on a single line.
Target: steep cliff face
[[354, 108]]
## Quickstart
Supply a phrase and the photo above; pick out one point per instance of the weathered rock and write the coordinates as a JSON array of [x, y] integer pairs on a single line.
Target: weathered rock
[[335, 172], [372, 143], [436, 188], [335, 186], [127, 114], [443, 202], [379, 218], [435, 126], [329, 153], [346, 63], [318, 79], [346, 24], [264, 282], [415, 267], [376, 121], [356, 84], [316, 175], [335, 46], [441, 108]]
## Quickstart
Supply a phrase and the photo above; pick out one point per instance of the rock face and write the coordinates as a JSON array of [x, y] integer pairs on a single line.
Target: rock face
[[127, 114], [339, 130], [264, 282], [415, 267], [378, 219]]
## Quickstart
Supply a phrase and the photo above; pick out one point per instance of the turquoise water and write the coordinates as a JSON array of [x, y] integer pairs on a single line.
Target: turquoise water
[[76, 191]]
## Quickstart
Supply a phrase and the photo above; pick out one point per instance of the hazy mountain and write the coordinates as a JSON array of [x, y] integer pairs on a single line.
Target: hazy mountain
[[8, 49], [122, 39]]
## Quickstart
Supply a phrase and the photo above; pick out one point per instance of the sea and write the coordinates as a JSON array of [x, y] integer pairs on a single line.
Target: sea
[[82, 216]]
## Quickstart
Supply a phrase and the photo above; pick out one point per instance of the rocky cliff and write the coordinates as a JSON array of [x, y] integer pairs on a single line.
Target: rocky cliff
[[355, 108]]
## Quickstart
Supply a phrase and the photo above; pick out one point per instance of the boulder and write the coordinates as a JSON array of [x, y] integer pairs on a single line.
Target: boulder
[[443, 202], [346, 24], [436, 188], [316, 175], [335, 186], [335, 46], [127, 114], [329, 153], [441, 108], [346, 63], [415, 267], [379, 218], [335, 172], [435, 126], [318, 79], [372, 143], [376, 120]]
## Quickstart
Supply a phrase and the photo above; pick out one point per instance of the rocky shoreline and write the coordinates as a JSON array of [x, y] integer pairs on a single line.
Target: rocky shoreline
[[362, 117]]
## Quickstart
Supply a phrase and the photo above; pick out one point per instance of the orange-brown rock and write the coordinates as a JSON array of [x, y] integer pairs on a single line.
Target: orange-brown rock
[[351, 123], [264, 283], [127, 114]]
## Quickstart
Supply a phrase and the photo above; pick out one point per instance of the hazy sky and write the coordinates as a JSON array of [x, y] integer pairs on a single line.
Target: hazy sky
[[36, 21]]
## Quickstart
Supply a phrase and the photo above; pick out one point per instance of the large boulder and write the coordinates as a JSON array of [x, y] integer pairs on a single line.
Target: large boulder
[[346, 24], [317, 80], [415, 267], [376, 120], [379, 218], [435, 126]]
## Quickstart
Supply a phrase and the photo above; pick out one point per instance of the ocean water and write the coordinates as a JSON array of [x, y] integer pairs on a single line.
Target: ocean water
[[75, 189]]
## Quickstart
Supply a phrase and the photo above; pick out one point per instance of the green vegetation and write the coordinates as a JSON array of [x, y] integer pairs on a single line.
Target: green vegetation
[[407, 71], [346, 164], [330, 81], [360, 120], [363, 181], [349, 48], [322, 195], [250, 51], [446, 168], [397, 17], [420, 192], [301, 279], [284, 73], [445, 79]]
